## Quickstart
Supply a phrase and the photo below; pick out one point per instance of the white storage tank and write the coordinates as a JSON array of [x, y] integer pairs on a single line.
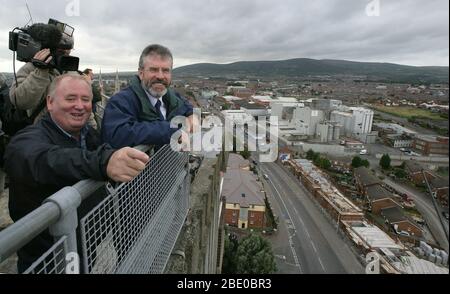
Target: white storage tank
[[423, 245], [444, 257], [432, 258], [438, 260], [419, 252]]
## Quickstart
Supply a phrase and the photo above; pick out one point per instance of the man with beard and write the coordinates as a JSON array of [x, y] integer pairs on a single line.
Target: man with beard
[[141, 113]]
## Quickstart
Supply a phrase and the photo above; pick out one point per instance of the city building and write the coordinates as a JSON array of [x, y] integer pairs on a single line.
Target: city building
[[306, 120], [391, 128], [398, 141], [416, 172], [328, 131], [364, 179], [328, 196], [395, 217], [431, 145], [355, 121], [326, 105], [244, 196], [439, 188], [379, 198]]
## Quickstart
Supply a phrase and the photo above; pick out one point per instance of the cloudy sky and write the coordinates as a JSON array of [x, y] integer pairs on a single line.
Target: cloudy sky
[[110, 34]]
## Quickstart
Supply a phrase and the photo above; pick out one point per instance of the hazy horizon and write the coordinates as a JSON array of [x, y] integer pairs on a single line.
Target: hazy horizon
[[111, 34]]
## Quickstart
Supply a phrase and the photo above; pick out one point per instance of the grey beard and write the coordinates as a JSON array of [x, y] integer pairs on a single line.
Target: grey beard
[[153, 92]]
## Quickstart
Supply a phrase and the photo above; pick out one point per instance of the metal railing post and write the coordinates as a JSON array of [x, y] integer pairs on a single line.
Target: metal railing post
[[67, 199]]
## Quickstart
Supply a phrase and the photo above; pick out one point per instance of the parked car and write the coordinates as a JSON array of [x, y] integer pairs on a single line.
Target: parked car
[[363, 152], [403, 233], [445, 214], [266, 176]]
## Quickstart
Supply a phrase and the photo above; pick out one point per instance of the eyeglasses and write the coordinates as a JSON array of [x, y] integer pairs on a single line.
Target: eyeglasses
[[155, 70]]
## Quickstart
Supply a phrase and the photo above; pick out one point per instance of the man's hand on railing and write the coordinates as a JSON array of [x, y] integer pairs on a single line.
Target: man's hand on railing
[[125, 164], [193, 123]]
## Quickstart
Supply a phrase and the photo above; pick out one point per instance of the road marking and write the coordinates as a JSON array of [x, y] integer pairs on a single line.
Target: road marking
[[303, 226], [291, 243], [301, 221]]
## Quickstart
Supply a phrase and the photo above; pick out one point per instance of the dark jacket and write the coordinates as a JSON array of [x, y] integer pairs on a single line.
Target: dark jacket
[[40, 160], [131, 120]]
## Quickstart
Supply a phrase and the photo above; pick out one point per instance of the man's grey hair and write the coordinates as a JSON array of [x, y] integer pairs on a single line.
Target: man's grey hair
[[73, 76], [154, 49]]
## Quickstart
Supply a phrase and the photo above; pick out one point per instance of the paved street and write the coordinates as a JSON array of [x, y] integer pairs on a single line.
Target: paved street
[[306, 242]]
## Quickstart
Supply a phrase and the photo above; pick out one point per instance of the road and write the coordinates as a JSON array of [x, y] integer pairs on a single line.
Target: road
[[311, 244], [425, 206]]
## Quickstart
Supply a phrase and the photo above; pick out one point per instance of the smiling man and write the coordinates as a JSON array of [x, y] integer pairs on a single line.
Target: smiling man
[[59, 151], [141, 113]]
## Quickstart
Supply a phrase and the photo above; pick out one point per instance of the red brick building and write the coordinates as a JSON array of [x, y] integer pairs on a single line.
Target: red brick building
[[431, 145], [244, 196]]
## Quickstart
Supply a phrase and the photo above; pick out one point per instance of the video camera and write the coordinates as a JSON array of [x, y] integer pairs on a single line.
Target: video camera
[[54, 35]]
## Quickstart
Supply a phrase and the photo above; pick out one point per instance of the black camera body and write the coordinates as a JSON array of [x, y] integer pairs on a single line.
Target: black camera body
[[54, 35]]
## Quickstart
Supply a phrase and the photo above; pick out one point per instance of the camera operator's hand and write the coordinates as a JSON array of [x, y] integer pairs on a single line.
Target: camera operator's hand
[[42, 58]]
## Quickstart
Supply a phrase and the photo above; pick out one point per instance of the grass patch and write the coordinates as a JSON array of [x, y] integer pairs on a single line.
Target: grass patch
[[443, 171], [409, 112]]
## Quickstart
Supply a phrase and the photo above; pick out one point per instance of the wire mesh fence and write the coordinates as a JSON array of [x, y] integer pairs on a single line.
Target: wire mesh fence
[[134, 229], [53, 261]]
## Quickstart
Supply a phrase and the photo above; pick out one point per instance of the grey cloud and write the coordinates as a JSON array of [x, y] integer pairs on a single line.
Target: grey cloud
[[111, 34]]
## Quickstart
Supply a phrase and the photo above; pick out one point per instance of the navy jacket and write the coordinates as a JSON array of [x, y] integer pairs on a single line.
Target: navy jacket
[[130, 119], [40, 160]]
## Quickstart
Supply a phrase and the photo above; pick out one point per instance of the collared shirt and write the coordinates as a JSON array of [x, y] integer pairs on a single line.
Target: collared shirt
[[83, 134], [153, 101]]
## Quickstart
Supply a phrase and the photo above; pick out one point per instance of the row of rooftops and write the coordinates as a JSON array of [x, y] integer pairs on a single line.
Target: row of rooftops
[[329, 190], [398, 259]]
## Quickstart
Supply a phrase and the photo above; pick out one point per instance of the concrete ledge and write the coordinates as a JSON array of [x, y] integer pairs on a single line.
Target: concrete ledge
[[193, 250]]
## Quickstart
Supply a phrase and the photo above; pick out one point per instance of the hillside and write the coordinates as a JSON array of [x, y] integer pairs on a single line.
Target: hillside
[[304, 67]]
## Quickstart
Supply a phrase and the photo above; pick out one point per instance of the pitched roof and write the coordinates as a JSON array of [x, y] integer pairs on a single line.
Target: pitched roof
[[240, 187], [376, 192], [439, 183], [394, 214], [236, 161], [365, 176]]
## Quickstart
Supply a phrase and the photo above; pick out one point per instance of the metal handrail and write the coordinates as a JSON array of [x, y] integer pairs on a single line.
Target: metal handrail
[[57, 213]]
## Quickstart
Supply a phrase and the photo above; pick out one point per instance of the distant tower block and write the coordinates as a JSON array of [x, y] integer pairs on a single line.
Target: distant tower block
[[117, 83], [100, 85]]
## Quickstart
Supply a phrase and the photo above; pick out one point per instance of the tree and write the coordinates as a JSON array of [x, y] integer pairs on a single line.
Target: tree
[[254, 256], [310, 154], [385, 162], [400, 173], [324, 163], [246, 154], [366, 163], [357, 162], [229, 255]]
